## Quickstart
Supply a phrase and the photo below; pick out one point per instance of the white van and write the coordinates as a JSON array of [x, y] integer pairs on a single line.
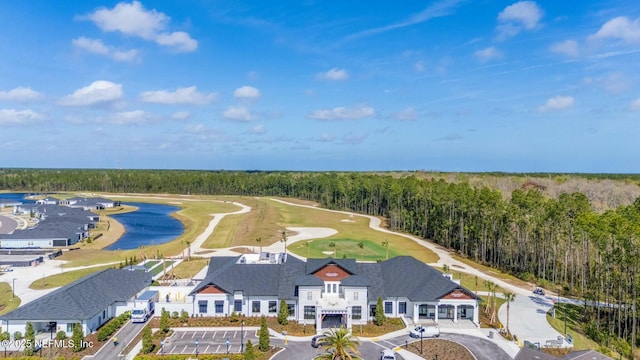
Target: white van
[[388, 355]]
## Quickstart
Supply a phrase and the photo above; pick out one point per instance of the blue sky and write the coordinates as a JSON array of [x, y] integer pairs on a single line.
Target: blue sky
[[448, 85]]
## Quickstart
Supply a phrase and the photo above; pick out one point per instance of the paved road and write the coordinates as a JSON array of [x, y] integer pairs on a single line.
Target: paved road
[[7, 225], [125, 335], [302, 350]]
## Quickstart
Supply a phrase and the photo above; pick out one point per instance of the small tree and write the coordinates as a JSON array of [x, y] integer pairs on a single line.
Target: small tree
[[30, 339], [333, 246], [283, 314], [17, 335], [249, 354], [147, 340], [361, 246], [380, 318], [385, 244], [164, 321], [263, 335], [77, 337], [184, 317]]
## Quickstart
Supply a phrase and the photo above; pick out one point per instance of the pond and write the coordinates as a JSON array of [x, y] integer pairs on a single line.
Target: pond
[[151, 224]]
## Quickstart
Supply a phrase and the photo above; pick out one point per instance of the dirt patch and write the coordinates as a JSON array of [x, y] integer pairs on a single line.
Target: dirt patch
[[204, 252], [444, 349], [242, 250]]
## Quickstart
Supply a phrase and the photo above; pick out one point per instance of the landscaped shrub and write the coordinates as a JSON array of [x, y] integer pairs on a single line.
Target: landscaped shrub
[[184, 316], [175, 315], [112, 326], [17, 335], [61, 335], [5, 335]]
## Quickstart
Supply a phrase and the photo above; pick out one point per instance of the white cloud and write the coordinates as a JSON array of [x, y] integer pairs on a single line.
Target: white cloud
[[342, 113], [621, 28], [134, 20], [188, 95], [488, 54], [354, 139], [96, 46], [567, 48], [247, 92], [420, 67], [635, 105], [407, 114], [617, 83], [20, 94], [135, 117], [239, 113], [515, 17], [100, 91], [325, 137], [180, 40], [258, 129], [557, 103], [19, 117], [180, 115], [334, 74]]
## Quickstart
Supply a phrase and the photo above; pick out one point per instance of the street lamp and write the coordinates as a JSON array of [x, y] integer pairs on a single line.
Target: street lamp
[[196, 348], [421, 341], [242, 337], [227, 346], [162, 346], [13, 289]]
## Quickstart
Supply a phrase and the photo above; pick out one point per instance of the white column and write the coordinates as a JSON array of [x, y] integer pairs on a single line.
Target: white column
[[476, 318], [437, 310], [455, 313], [415, 313]]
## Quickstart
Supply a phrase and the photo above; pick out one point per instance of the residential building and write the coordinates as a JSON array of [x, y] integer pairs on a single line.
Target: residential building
[[331, 292], [90, 301]]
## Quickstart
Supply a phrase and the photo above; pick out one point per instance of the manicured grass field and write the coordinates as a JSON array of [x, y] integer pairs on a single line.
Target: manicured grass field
[[320, 248], [150, 264], [58, 280], [188, 269], [7, 301], [160, 267]]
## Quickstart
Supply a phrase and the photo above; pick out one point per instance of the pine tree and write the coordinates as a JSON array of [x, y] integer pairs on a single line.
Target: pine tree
[[283, 314], [30, 338], [164, 321], [77, 337], [380, 318], [249, 354], [263, 335], [147, 340]]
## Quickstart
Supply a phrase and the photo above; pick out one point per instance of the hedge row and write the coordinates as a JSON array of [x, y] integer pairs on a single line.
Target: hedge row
[[112, 326]]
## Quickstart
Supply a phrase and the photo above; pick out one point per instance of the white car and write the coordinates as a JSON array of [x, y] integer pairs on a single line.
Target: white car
[[425, 331]]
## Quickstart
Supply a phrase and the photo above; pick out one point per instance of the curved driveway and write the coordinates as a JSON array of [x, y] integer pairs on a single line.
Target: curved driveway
[[7, 224]]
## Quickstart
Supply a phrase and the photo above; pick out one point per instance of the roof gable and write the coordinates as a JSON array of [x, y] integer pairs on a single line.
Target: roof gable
[[331, 272]]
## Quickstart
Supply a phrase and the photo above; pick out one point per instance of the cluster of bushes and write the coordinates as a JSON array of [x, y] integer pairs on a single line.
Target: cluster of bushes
[[112, 326]]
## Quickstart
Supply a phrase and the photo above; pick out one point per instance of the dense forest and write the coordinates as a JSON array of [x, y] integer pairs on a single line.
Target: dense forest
[[559, 241]]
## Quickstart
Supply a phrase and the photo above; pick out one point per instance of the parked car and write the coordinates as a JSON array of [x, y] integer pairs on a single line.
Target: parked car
[[388, 355], [538, 291], [316, 341], [425, 331]]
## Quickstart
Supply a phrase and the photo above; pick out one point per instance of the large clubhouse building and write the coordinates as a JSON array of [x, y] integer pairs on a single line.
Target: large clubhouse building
[[331, 292]]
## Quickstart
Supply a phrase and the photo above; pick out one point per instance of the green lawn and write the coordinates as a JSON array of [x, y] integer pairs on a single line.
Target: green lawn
[[159, 268], [320, 248], [150, 264], [65, 278], [7, 300]]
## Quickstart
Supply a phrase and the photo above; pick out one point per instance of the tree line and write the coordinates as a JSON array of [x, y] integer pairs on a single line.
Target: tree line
[[558, 242]]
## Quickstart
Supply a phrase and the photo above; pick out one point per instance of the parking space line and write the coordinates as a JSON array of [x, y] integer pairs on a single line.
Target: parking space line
[[218, 349], [183, 334], [185, 348], [214, 334], [194, 334], [173, 349], [234, 334], [206, 350], [225, 334], [203, 334]]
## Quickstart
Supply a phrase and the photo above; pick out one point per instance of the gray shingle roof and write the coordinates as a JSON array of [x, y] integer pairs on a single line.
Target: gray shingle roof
[[531, 354], [83, 298], [402, 276]]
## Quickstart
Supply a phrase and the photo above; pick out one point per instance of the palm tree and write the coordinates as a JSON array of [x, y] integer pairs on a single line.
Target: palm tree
[[333, 246], [361, 246], [284, 240], [385, 244], [259, 241], [339, 345], [509, 297], [188, 251], [308, 246]]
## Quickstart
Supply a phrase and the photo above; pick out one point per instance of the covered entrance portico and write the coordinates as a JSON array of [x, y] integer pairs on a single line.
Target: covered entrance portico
[[455, 306], [332, 319]]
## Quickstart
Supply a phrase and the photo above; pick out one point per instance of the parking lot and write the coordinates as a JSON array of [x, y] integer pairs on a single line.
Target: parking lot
[[208, 342]]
